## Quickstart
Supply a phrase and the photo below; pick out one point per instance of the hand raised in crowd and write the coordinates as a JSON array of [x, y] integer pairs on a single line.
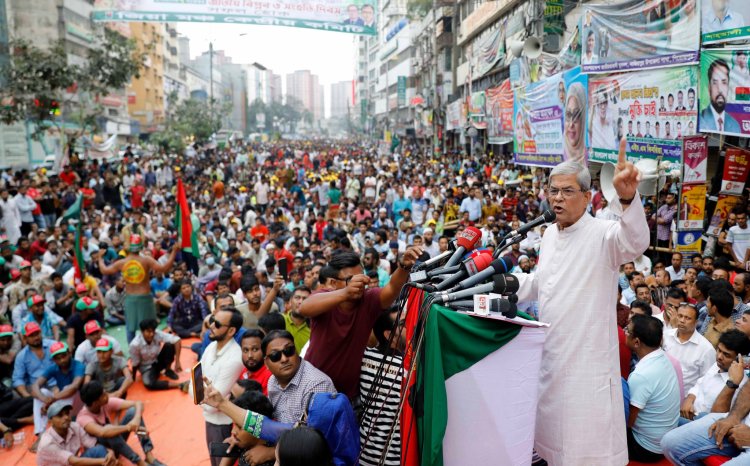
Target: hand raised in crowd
[[355, 289], [626, 177], [410, 256], [212, 397], [278, 282], [737, 370]]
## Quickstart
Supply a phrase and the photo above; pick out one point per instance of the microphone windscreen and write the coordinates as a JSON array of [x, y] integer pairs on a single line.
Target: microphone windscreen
[[469, 238], [549, 216], [505, 283], [478, 263]]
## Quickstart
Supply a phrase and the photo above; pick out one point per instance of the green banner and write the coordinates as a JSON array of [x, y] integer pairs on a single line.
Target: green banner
[[554, 21], [401, 91]]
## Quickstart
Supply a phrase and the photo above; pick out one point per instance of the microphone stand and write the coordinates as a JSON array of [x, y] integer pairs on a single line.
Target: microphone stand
[[506, 242]]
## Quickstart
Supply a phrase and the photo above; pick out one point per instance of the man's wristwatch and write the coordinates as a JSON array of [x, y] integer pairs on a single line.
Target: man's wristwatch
[[732, 385], [627, 201]]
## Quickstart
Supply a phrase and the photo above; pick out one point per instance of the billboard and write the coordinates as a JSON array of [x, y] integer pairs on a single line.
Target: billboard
[[499, 111], [550, 120], [725, 92], [627, 35], [653, 109], [692, 207], [725, 20], [350, 16]]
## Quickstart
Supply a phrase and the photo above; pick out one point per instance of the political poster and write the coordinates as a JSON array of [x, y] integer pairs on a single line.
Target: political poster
[[455, 115], [725, 92], [628, 35], [499, 111], [349, 16], [725, 20], [694, 159], [724, 205], [488, 49], [652, 109], [736, 168], [688, 242], [550, 120], [692, 208], [476, 110]]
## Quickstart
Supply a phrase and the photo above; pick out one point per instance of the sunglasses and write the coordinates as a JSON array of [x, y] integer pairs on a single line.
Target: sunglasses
[[275, 356], [212, 321]]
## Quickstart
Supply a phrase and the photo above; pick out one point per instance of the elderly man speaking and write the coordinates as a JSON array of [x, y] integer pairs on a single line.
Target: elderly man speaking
[[576, 286]]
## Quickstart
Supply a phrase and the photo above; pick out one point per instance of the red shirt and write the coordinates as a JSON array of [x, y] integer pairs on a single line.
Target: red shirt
[[279, 253], [624, 354], [88, 196], [259, 232], [34, 194], [68, 177], [261, 376], [338, 340], [38, 248], [137, 192]]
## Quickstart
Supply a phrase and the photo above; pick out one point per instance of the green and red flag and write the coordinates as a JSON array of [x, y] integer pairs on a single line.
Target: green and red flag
[[186, 234], [74, 213]]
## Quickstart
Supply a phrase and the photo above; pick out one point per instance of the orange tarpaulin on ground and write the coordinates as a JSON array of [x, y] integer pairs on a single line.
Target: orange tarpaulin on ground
[[176, 425]]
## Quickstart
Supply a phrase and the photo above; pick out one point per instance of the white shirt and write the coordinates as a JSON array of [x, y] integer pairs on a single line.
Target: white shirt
[[740, 241], [643, 265], [86, 353], [222, 368], [676, 274], [696, 355], [708, 387]]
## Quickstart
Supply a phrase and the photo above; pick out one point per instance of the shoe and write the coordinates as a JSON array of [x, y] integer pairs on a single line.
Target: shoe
[[184, 387], [34, 447], [171, 374]]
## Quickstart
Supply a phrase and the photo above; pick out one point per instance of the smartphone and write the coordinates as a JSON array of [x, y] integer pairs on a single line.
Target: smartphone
[[196, 375], [283, 268], [219, 450]]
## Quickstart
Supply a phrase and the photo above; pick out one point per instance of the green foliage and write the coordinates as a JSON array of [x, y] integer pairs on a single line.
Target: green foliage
[[292, 112], [189, 120], [418, 8]]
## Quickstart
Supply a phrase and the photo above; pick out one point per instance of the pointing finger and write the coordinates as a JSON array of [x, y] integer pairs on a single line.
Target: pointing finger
[[621, 159]]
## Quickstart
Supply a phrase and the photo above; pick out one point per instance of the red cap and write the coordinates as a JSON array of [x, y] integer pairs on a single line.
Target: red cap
[[36, 299], [14, 274], [58, 347], [91, 327], [103, 344], [31, 328], [25, 264], [6, 330], [469, 238]]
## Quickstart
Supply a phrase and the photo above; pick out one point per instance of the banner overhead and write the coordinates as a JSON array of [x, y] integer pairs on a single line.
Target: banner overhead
[[350, 16], [653, 109], [550, 120], [499, 111], [627, 35], [725, 20], [725, 92]]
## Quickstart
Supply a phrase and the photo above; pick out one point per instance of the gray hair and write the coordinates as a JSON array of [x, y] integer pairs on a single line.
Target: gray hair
[[569, 167]]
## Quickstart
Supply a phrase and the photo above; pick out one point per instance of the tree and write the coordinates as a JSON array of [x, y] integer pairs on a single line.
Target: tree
[[189, 120]]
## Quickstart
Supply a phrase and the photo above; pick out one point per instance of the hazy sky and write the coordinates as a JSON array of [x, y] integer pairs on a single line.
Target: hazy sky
[[330, 55]]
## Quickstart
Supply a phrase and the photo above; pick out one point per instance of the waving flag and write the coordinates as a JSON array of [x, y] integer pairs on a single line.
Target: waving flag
[[183, 222], [74, 213]]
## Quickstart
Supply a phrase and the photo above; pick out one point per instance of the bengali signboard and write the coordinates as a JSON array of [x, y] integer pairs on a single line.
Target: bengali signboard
[[653, 109], [499, 111], [736, 168], [725, 20], [724, 206], [550, 120], [725, 92], [476, 110], [455, 115], [694, 159], [401, 91], [629, 35], [689, 242], [692, 207], [350, 16]]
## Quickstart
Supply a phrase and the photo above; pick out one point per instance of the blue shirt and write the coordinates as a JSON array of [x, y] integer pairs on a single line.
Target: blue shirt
[[28, 368], [398, 206], [655, 391], [160, 286], [63, 379], [473, 206], [48, 321]]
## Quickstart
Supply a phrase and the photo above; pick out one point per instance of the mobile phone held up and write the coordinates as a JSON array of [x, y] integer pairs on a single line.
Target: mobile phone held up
[[196, 376], [283, 268]]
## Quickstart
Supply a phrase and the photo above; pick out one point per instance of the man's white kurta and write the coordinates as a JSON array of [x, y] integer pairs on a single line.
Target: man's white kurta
[[580, 418]]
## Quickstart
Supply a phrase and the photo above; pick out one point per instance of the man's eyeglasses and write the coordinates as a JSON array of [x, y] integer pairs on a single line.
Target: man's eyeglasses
[[689, 305], [212, 321], [275, 356], [567, 193]]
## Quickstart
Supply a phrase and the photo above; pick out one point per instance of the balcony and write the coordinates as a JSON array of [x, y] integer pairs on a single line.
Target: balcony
[[444, 40]]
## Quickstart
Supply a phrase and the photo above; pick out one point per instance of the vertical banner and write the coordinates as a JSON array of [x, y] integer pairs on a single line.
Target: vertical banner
[[725, 92], [692, 207], [401, 89], [554, 19], [476, 110], [725, 20], [689, 242], [550, 120], [499, 111], [653, 109], [736, 167], [455, 116], [694, 159], [625, 35], [724, 206]]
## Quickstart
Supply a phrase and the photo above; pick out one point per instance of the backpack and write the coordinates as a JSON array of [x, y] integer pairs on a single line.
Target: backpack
[[333, 416]]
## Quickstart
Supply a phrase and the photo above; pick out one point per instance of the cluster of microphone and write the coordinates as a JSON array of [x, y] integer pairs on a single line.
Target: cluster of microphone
[[455, 276]]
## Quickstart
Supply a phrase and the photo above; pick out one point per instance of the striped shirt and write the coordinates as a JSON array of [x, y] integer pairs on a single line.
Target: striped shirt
[[381, 411]]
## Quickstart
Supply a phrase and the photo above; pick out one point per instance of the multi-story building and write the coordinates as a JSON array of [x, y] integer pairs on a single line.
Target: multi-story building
[[257, 83], [340, 99], [175, 75], [277, 92], [303, 86], [146, 93]]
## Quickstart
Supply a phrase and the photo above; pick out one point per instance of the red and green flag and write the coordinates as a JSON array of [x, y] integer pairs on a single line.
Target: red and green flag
[[74, 213], [186, 234]]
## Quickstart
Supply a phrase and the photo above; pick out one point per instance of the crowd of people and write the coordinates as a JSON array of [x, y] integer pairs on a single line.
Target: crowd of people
[[299, 252]]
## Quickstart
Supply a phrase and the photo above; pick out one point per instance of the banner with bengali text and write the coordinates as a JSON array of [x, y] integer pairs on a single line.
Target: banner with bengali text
[[349, 16], [630, 35], [725, 20], [694, 159], [689, 242], [725, 94], [736, 169], [455, 115], [692, 209], [499, 111], [653, 109], [724, 206], [540, 110], [476, 110]]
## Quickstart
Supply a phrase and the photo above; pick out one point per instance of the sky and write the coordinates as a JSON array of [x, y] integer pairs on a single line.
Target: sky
[[330, 55]]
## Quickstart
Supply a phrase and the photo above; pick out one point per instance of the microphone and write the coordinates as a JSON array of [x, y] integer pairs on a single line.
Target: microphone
[[546, 217], [501, 265], [423, 275], [495, 304], [501, 283], [471, 266], [466, 241], [432, 262]]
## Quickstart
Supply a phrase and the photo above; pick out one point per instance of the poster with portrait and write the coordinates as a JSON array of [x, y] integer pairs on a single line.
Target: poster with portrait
[[499, 111], [549, 120], [476, 110], [692, 207], [688, 242], [653, 109], [724, 206], [725, 92], [455, 115], [725, 20], [626, 35], [694, 159], [736, 170]]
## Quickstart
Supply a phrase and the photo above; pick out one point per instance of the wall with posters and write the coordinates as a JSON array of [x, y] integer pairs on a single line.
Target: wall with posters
[[651, 108], [499, 111], [725, 92], [549, 119], [633, 35], [736, 170], [725, 20]]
